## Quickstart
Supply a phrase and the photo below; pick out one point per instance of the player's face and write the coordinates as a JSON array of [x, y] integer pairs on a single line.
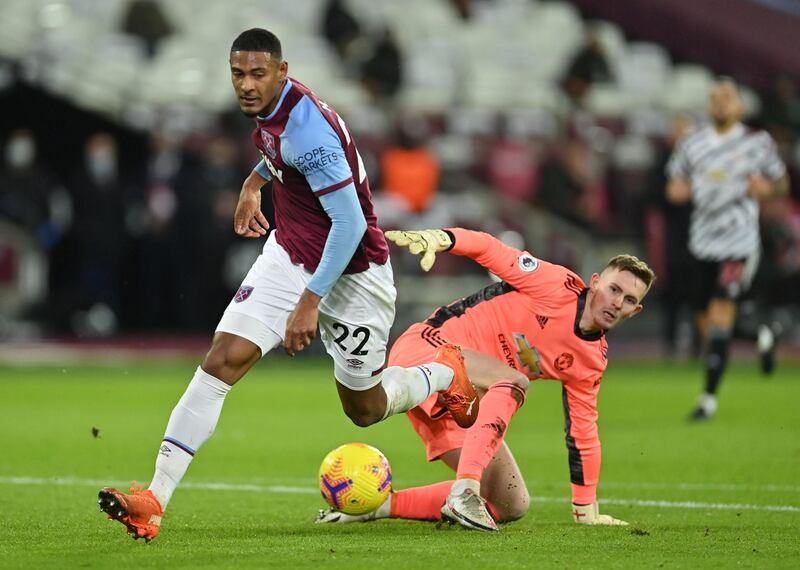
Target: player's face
[[725, 105], [257, 79], [617, 296]]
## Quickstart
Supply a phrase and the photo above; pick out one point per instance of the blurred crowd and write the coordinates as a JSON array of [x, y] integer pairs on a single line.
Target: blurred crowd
[[118, 230]]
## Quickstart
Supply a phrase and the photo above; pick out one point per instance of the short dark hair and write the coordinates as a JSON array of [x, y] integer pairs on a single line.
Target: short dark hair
[[727, 79], [634, 265], [258, 39]]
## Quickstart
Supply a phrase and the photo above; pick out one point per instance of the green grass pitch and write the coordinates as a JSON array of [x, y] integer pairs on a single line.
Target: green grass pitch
[[720, 495]]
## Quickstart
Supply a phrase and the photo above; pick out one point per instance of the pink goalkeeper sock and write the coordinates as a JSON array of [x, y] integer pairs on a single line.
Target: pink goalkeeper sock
[[420, 503], [425, 503], [497, 407]]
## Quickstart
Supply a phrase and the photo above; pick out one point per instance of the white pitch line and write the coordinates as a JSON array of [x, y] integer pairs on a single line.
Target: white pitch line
[[67, 481], [681, 504], [282, 489], [734, 487]]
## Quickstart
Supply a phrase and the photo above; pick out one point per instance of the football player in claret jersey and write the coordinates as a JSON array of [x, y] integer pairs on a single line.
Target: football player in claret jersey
[[540, 321], [325, 265]]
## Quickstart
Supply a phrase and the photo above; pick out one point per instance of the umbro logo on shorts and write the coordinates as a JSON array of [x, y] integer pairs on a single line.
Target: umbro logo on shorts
[[243, 293]]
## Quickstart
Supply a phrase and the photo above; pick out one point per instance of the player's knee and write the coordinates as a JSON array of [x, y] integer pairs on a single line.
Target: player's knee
[[361, 412], [514, 507], [362, 417], [363, 407], [516, 511], [229, 361], [520, 381]]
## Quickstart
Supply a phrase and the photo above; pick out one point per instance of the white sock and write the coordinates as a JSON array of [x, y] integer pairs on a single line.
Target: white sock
[[708, 402], [766, 339], [385, 510], [191, 424], [409, 387], [171, 464], [439, 376], [461, 485]]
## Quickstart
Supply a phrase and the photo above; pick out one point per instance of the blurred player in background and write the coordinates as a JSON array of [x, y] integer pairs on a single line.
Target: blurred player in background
[[724, 169], [326, 264], [540, 321]]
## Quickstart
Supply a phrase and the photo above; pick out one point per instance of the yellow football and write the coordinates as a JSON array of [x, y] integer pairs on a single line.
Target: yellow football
[[355, 478]]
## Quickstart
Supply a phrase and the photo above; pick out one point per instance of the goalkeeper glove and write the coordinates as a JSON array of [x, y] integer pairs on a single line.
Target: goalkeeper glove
[[422, 242], [590, 514]]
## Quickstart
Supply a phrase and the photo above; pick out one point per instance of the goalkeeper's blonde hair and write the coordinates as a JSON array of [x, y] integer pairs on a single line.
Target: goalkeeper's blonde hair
[[631, 263]]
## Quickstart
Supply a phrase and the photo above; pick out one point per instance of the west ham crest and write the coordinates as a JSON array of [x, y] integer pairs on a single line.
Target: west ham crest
[[243, 293], [269, 144]]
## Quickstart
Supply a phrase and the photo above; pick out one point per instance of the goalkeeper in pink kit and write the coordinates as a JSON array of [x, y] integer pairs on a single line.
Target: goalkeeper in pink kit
[[540, 321]]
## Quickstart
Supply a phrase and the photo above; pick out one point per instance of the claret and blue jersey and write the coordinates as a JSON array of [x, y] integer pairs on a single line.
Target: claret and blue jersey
[[323, 204]]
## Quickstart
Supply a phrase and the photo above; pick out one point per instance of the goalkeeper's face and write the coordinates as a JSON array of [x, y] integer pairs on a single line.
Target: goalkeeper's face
[[257, 79], [616, 296]]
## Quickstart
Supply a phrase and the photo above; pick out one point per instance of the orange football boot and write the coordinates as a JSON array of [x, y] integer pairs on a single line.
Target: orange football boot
[[460, 399], [140, 511]]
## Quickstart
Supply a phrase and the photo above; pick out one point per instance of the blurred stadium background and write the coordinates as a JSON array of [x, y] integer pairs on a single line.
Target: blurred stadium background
[[545, 122]]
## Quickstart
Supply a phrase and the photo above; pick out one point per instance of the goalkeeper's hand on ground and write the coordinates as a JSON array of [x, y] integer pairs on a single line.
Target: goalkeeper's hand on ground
[[590, 514], [422, 242]]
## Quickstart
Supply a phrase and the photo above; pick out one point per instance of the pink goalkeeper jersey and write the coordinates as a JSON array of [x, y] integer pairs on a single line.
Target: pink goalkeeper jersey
[[530, 321]]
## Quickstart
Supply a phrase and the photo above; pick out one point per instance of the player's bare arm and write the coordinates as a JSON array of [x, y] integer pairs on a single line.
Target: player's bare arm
[[248, 220], [762, 188], [678, 191], [301, 326]]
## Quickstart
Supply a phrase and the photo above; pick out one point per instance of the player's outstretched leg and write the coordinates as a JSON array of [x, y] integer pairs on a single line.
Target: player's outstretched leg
[[190, 425], [503, 486], [416, 503], [401, 388], [140, 511], [424, 503]]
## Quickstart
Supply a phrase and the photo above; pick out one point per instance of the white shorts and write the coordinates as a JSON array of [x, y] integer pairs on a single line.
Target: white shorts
[[354, 318]]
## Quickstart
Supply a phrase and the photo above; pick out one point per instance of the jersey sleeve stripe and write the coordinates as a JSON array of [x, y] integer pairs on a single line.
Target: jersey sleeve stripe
[[335, 187], [459, 307], [574, 454]]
